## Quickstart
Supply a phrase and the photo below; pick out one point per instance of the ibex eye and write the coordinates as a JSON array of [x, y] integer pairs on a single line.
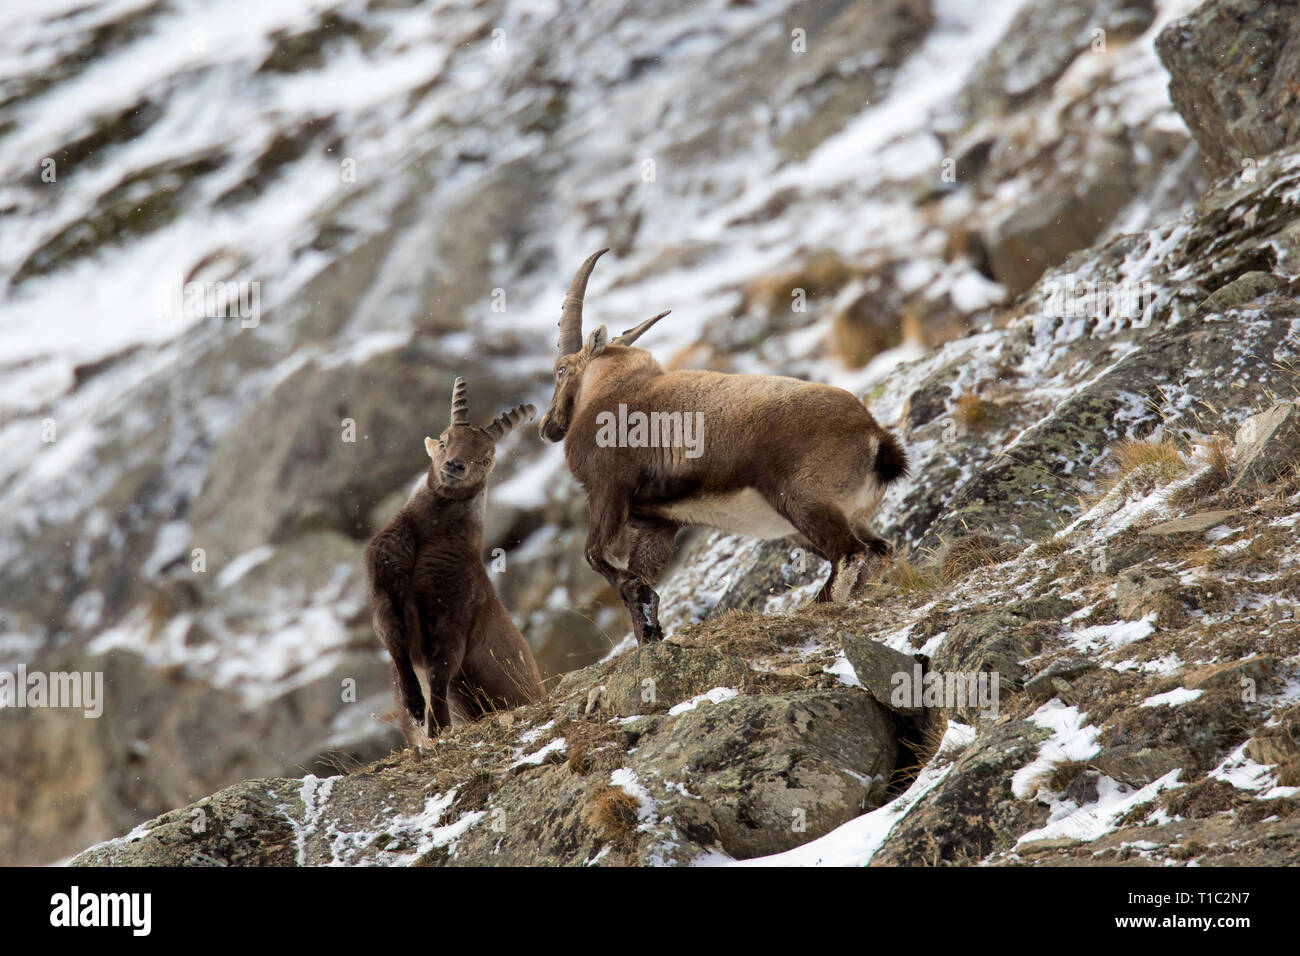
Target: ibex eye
[[559, 373]]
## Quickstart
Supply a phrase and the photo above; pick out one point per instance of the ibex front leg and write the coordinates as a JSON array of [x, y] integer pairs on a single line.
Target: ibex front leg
[[391, 628], [446, 654], [606, 553]]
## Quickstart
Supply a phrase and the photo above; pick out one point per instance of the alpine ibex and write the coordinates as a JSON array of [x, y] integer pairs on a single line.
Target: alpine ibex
[[434, 607], [760, 455]]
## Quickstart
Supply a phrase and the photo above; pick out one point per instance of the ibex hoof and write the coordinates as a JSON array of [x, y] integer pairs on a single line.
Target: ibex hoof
[[650, 635], [855, 577], [648, 611]]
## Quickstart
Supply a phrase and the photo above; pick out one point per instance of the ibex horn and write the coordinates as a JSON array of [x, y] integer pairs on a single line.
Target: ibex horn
[[632, 334], [506, 422], [459, 403], [571, 316]]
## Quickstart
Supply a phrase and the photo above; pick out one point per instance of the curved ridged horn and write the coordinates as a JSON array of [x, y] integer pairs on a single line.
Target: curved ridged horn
[[459, 403], [632, 334], [506, 422], [571, 316]]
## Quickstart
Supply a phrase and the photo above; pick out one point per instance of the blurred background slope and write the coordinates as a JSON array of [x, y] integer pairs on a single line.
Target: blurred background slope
[[817, 189]]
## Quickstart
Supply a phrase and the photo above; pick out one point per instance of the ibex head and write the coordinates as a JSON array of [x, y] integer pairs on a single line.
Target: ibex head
[[575, 354], [464, 455]]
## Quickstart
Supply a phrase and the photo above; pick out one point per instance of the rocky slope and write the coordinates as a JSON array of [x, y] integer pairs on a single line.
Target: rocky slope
[[1104, 518], [411, 184]]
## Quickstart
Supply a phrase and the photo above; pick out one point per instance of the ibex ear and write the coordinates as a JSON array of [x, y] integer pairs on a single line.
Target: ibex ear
[[597, 341], [430, 446]]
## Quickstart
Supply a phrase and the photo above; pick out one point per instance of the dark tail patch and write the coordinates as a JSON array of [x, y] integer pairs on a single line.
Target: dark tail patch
[[891, 460]]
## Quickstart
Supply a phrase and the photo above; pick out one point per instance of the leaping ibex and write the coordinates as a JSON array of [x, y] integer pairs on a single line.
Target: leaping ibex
[[434, 607], [761, 455]]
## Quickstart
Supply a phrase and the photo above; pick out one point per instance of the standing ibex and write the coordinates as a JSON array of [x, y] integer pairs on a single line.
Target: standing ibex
[[761, 455], [434, 607]]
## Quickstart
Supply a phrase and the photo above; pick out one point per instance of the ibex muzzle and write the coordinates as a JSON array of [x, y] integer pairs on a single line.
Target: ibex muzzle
[[434, 608], [776, 457]]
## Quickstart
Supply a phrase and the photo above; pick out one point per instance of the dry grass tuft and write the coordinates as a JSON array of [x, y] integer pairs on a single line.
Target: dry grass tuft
[[749, 634], [1138, 814], [975, 413], [1203, 799], [1188, 851], [612, 813], [971, 552], [1161, 457], [1288, 774], [1053, 544], [1139, 464], [910, 579], [463, 750], [1264, 548], [1208, 557], [1216, 453], [342, 762], [1058, 777], [1263, 552], [591, 746]]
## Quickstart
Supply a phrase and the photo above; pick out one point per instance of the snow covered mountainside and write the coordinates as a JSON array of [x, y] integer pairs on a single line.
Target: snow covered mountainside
[[988, 219]]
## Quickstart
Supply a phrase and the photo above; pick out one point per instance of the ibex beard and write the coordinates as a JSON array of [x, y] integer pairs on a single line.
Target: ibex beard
[[434, 607], [779, 457]]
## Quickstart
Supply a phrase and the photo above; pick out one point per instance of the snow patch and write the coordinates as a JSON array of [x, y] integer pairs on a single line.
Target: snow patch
[[1173, 698], [715, 696]]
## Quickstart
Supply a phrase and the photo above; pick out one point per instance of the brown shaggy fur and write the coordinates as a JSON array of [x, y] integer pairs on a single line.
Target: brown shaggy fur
[[778, 456], [433, 604]]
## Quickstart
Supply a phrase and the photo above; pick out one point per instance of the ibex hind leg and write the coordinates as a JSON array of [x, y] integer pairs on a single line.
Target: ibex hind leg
[[488, 683], [468, 701], [859, 573], [829, 534]]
